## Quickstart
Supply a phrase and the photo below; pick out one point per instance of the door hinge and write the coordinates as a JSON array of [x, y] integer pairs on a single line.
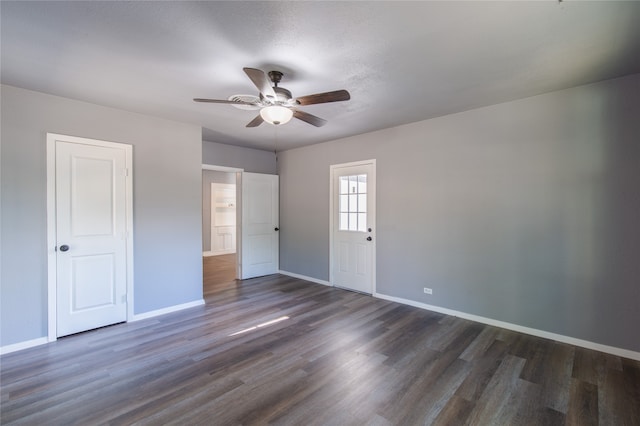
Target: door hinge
[[125, 172], [123, 298]]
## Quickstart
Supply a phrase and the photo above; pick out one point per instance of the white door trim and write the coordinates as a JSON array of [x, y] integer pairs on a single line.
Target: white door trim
[[221, 168], [238, 173], [51, 223], [332, 167]]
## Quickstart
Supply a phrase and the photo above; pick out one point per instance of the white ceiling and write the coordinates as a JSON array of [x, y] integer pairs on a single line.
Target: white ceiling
[[401, 62]]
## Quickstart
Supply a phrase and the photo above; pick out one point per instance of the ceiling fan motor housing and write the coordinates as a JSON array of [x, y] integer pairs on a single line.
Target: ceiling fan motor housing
[[275, 76], [282, 94]]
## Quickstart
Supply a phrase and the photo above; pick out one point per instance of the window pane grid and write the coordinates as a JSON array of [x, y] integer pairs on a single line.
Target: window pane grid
[[352, 206]]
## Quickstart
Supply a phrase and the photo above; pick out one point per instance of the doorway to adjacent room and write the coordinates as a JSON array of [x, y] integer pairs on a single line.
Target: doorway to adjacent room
[[219, 227]]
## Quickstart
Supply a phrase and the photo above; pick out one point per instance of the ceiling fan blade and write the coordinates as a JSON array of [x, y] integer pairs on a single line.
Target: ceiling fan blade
[[322, 98], [222, 101], [309, 118], [256, 121], [260, 79]]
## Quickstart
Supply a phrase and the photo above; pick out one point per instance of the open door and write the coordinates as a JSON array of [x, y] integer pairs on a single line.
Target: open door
[[259, 249]]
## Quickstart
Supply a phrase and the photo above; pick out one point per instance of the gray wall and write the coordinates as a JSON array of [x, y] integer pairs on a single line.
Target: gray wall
[[526, 212], [167, 159], [209, 177], [251, 160]]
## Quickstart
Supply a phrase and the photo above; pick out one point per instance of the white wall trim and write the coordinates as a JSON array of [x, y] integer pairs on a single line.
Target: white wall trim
[[221, 168], [514, 327], [625, 353], [168, 310], [304, 277], [52, 304], [352, 164], [44, 340], [52, 315], [23, 345]]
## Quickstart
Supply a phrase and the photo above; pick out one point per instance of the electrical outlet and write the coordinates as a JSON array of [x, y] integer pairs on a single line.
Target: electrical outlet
[[427, 290]]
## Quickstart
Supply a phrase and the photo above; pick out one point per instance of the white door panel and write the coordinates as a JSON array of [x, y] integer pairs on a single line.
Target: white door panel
[[260, 239], [91, 256], [92, 204], [353, 226], [362, 262], [89, 291]]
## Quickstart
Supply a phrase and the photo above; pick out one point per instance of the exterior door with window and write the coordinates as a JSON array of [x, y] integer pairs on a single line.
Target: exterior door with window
[[353, 226]]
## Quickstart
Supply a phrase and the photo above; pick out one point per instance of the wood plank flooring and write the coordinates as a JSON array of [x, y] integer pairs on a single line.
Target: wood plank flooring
[[218, 272], [340, 358]]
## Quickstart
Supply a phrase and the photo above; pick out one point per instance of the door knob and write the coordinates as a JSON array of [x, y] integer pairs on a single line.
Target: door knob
[[369, 239], [276, 229], [64, 247]]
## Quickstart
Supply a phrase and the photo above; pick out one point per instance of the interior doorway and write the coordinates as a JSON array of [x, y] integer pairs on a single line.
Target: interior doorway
[[219, 226], [256, 227]]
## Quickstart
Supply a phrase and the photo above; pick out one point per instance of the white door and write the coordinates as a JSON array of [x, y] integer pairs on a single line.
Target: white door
[[223, 218], [353, 240], [259, 243], [91, 238]]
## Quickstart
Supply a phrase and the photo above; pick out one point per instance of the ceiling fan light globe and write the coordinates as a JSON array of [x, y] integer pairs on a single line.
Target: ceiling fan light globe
[[276, 114]]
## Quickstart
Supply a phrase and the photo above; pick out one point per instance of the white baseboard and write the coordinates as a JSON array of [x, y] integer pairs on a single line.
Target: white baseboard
[[168, 310], [23, 345], [43, 340], [304, 277], [625, 353]]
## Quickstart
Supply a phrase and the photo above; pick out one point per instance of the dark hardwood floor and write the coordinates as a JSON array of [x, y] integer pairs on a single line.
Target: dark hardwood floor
[[333, 358]]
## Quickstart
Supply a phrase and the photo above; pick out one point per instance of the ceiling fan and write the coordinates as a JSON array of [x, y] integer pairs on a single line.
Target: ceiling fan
[[276, 104]]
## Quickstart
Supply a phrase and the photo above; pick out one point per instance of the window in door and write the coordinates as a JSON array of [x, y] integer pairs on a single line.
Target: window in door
[[353, 203]]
